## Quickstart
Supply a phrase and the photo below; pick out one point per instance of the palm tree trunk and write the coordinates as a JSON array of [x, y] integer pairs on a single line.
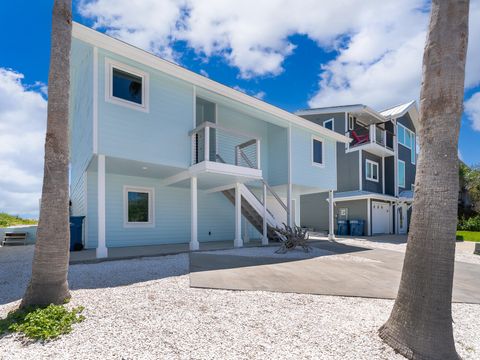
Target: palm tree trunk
[[420, 325], [48, 283]]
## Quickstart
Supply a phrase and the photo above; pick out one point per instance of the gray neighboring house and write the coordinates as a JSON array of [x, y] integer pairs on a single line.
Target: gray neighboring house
[[375, 172]]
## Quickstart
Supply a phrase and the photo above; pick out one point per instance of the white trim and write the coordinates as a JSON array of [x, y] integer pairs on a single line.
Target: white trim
[[238, 241], [322, 141], [109, 66], [369, 217], [95, 101], [85, 189], [102, 251], [400, 185], [106, 42], [264, 215], [360, 173], [340, 109], [151, 206], [331, 215], [332, 120], [383, 175], [372, 196], [371, 178]]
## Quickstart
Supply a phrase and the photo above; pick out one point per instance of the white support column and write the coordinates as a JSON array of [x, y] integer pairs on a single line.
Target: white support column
[[331, 228], [194, 245], [246, 235], [238, 242], [369, 217], [383, 175], [258, 153], [265, 234], [207, 143], [289, 185], [102, 251]]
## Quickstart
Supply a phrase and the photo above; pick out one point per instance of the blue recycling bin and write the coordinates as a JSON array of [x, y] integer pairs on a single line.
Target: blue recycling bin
[[356, 227], [342, 227], [76, 233]]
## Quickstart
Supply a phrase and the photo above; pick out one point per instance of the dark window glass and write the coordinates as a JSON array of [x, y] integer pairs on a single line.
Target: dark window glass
[[317, 152], [127, 86], [329, 124], [137, 206]]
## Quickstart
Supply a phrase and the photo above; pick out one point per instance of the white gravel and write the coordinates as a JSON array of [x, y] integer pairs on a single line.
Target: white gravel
[[145, 309]]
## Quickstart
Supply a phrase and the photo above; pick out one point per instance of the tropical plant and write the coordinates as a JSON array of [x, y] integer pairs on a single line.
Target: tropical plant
[[420, 324], [48, 283]]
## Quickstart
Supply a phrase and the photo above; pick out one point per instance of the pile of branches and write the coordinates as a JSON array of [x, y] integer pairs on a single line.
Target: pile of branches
[[291, 237]]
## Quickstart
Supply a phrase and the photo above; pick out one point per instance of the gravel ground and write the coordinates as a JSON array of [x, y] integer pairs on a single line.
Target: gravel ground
[[145, 309]]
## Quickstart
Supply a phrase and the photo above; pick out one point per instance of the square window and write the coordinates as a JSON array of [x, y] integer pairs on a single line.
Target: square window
[[138, 206], [317, 152], [127, 86]]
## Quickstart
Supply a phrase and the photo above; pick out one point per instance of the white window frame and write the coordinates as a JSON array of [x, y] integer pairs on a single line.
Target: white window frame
[[410, 133], [351, 122], [316, 138], [151, 206], [330, 120], [398, 172], [109, 66], [371, 163]]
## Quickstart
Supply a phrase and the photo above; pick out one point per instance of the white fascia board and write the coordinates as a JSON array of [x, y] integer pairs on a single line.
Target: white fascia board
[[343, 109], [119, 47]]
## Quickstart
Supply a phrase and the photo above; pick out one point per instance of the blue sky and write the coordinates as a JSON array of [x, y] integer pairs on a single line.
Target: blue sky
[[291, 54]]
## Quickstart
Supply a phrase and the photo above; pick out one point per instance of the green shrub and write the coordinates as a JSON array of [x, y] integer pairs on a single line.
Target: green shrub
[[42, 323], [470, 224]]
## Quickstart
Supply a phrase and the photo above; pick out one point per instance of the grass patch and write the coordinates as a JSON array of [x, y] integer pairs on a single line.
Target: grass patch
[[10, 220], [42, 323], [468, 236]]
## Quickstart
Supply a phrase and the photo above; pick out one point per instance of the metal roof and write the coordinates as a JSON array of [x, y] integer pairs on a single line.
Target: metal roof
[[398, 111]]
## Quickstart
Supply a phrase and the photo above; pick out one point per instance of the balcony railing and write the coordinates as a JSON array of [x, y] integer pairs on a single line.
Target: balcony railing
[[371, 134], [212, 142]]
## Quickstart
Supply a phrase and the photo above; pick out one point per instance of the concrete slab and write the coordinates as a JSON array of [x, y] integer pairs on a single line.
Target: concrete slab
[[352, 271]]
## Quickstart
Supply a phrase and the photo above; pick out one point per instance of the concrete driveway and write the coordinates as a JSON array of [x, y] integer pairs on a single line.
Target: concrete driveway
[[336, 268]]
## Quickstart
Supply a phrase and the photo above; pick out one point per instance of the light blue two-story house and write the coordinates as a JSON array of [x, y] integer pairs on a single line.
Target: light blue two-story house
[[162, 155]]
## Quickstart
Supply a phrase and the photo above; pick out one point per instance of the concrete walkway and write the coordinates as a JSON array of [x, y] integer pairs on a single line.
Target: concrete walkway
[[132, 252], [347, 271]]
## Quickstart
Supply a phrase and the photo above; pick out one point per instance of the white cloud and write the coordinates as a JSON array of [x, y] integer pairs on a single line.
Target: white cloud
[[22, 135], [472, 110], [204, 73]]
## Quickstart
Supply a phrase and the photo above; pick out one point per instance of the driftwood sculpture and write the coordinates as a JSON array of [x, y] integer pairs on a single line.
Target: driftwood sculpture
[[291, 237]]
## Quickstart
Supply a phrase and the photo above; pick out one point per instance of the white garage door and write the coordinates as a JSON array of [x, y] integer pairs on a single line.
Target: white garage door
[[380, 218]]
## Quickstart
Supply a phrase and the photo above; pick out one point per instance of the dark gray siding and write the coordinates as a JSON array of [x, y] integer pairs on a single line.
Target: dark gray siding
[[390, 175], [405, 155], [314, 211], [369, 185], [338, 122], [357, 210]]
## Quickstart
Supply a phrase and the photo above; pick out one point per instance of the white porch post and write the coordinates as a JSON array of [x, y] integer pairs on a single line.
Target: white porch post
[[194, 245], [102, 251], [246, 236], [289, 204], [265, 235], [207, 143], [331, 228], [369, 217], [237, 242]]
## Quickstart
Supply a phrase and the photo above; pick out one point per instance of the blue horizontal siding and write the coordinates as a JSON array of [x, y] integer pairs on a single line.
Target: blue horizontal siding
[[172, 214]]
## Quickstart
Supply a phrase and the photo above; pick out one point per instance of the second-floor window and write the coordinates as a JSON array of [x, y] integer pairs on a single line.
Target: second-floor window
[[317, 152], [401, 174], [126, 86], [406, 137], [328, 124], [371, 170]]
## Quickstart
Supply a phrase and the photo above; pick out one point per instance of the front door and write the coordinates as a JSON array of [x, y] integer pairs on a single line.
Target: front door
[[402, 219]]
